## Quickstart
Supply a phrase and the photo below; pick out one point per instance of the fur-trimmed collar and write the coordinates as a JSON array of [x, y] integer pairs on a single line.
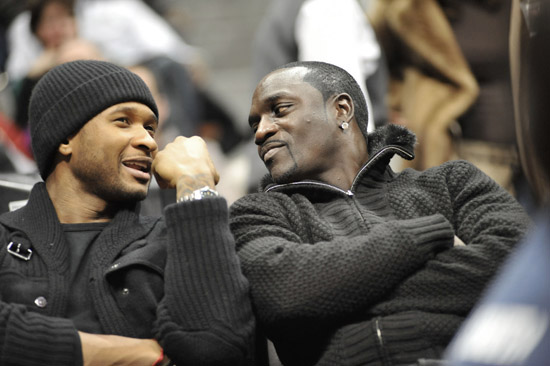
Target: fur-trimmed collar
[[389, 135]]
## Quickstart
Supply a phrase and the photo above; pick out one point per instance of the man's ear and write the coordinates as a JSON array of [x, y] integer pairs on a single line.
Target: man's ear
[[65, 148], [344, 107]]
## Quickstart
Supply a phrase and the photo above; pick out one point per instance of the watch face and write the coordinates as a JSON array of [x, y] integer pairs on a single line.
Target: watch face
[[207, 192], [204, 192]]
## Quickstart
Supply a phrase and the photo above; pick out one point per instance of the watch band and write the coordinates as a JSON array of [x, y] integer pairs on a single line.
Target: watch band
[[199, 194]]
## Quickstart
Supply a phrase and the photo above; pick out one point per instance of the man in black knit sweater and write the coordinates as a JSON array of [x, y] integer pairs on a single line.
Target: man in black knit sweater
[[350, 263], [86, 280]]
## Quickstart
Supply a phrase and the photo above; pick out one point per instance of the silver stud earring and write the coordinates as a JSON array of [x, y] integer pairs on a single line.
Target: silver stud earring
[[344, 126]]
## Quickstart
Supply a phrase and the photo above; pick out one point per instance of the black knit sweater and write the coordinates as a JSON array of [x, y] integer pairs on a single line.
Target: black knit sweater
[[370, 276]]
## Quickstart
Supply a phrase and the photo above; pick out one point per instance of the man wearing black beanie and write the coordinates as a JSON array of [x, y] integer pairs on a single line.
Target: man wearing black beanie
[[86, 280]]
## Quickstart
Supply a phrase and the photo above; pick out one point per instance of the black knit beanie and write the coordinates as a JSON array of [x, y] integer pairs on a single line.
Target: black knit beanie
[[71, 94]]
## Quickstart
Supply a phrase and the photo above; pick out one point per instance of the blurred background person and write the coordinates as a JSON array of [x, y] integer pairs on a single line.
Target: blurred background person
[[450, 82], [16, 159], [53, 25], [125, 31], [511, 325]]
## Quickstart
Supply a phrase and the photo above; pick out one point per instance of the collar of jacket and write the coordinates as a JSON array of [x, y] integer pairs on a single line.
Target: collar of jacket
[[382, 145], [39, 222]]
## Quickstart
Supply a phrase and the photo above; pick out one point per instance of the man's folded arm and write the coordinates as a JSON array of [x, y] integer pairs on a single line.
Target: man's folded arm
[[295, 280]]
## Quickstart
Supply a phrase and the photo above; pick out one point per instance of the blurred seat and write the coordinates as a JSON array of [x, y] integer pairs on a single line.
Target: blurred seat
[[15, 189]]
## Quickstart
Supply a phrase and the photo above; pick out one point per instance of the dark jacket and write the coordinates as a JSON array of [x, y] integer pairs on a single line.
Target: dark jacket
[[370, 276], [176, 279]]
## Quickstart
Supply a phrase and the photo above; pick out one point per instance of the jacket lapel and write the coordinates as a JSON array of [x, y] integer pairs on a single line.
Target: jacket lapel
[[124, 229]]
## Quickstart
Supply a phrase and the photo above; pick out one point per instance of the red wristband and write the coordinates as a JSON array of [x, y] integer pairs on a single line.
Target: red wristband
[[158, 362]]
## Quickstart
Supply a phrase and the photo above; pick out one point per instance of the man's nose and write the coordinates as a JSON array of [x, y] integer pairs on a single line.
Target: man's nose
[[144, 140], [266, 128]]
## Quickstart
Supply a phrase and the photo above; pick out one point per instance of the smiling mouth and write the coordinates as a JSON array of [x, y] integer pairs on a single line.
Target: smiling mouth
[[271, 152], [140, 168], [270, 149]]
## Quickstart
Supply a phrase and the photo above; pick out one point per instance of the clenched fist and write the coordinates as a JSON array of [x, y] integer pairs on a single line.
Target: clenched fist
[[185, 164]]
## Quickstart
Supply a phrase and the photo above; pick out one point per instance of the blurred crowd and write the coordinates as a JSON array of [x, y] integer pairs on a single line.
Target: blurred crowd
[[441, 68]]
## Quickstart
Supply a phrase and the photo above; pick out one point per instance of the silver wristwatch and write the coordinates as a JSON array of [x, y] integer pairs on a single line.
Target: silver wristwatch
[[199, 194]]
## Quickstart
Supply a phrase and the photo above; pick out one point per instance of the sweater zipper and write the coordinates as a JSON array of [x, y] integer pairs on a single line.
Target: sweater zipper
[[381, 343], [348, 192], [375, 157]]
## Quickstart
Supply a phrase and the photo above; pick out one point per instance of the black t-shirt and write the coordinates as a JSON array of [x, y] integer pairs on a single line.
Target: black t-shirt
[[81, 238]]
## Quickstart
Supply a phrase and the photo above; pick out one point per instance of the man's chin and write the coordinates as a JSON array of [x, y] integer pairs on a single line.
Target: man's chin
[[141, 192], [141, 197], [129, 195], [284, 177]]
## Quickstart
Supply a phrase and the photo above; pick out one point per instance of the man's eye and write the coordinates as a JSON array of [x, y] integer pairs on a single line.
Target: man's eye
[[280, 109], [254, 127], [122, 120], [151, 129]]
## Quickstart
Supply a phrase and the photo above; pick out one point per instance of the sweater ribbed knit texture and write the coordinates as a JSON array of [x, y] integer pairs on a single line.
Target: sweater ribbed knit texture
[[56, 344], [210, 277]]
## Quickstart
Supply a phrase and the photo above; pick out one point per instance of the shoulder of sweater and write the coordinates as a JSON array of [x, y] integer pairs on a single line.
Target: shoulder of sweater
[[456, 173], [458, 168], [448, 167]]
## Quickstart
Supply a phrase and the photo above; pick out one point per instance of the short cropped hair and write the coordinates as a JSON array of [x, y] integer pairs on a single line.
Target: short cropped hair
[[330, 80]]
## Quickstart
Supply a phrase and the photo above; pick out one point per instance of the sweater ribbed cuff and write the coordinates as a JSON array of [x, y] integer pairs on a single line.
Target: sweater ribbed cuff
[[34, 339], [197, 209], [430, 233]]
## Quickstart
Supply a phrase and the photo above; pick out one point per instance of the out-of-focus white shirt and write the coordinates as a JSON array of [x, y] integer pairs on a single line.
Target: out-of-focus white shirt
[[339, 33]]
